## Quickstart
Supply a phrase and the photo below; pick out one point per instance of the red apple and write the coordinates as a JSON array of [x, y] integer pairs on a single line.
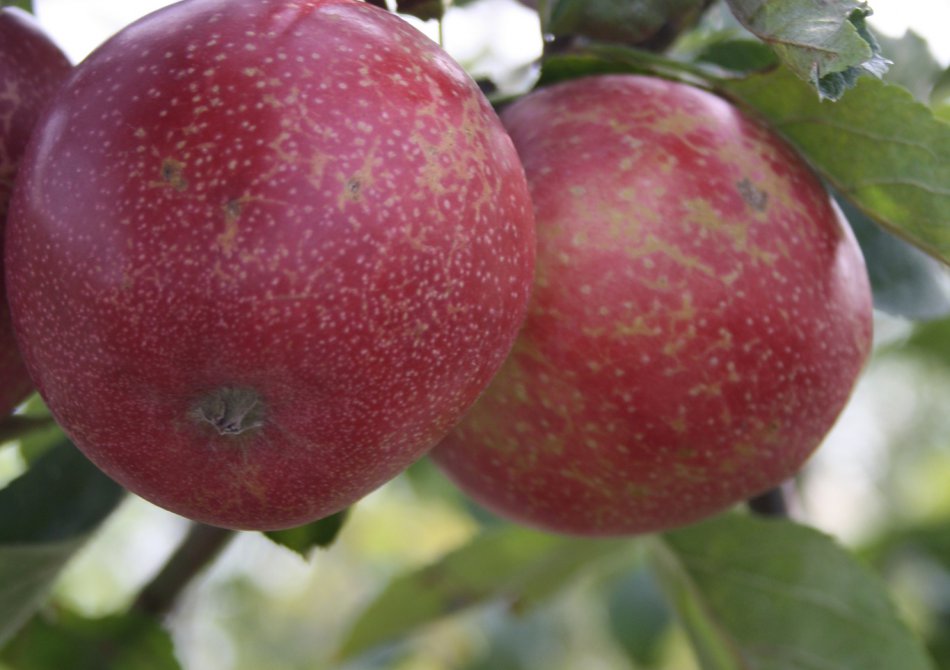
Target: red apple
[[31, 68], [699, 318], [264, 253]]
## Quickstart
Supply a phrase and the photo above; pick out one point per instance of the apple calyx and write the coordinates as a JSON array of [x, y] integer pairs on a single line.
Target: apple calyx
[[230, 410]]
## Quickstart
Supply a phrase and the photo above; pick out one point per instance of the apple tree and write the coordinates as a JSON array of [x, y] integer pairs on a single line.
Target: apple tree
[[262, 258]]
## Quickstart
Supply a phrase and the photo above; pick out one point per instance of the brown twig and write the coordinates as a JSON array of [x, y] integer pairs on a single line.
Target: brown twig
[[772, 503], [200, 546]]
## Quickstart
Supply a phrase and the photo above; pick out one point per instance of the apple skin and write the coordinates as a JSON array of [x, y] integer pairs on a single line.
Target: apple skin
[[263, 254], [700, 315], [31, 69]]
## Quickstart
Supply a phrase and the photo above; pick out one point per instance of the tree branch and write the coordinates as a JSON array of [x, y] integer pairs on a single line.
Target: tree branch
[[772, 503], [200, 546]]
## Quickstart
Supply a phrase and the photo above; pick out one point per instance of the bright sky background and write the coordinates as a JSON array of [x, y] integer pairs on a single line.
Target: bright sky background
[[506, 29]]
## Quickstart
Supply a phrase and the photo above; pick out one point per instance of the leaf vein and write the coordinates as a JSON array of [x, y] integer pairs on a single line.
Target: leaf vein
[[851, 130]]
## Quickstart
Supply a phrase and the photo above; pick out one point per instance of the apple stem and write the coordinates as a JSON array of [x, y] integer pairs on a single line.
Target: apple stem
[[230, 410], [19, 425], [200, 546]]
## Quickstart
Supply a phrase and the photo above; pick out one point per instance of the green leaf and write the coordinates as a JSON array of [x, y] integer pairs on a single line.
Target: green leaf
[[26, 5], [508, 562], [302, 539], [940, 96], [883, 150], [567, 66], [744, 56], [127, 642], [824, 43], [648, 23], [45, 516], [905, 281], [598, 58], [918, 557], [773, 595], [47, 434], [931, 340], [421, 9], [931, 538], [638, 616]]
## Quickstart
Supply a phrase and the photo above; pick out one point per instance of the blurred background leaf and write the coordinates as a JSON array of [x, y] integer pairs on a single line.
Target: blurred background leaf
[[913, 66], [46, 515], [649, 24], [122, 642], [929, 341], [639, 616], [47, 433], [767, 594], [521, 566], [917, 557], [940, 96], [22, 4]]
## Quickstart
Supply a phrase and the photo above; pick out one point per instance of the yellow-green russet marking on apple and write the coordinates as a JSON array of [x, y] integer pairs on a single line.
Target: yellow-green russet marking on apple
[[699, 317]]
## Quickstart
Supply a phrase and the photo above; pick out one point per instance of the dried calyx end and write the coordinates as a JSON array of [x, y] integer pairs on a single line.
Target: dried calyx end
[[231, 411]]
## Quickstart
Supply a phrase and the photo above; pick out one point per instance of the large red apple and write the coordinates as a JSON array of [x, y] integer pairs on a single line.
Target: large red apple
[[31, 68], [699, 317], [264, 253]]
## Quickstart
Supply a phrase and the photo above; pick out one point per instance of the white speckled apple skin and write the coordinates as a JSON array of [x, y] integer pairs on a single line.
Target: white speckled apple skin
[[306, 201], [700, 315], [31, 69]]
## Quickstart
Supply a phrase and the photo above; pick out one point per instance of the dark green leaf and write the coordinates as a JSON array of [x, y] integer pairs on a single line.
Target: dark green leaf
[[906, 281], [647, 23], [45, 516], [302, 539], [62, 496], [825, 43], [883, 150], [744, 56], [26, 574], [598, 58], [567, 66], [522, 566], [421, 9], [127, 642], [772, 595], [638, 616]]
